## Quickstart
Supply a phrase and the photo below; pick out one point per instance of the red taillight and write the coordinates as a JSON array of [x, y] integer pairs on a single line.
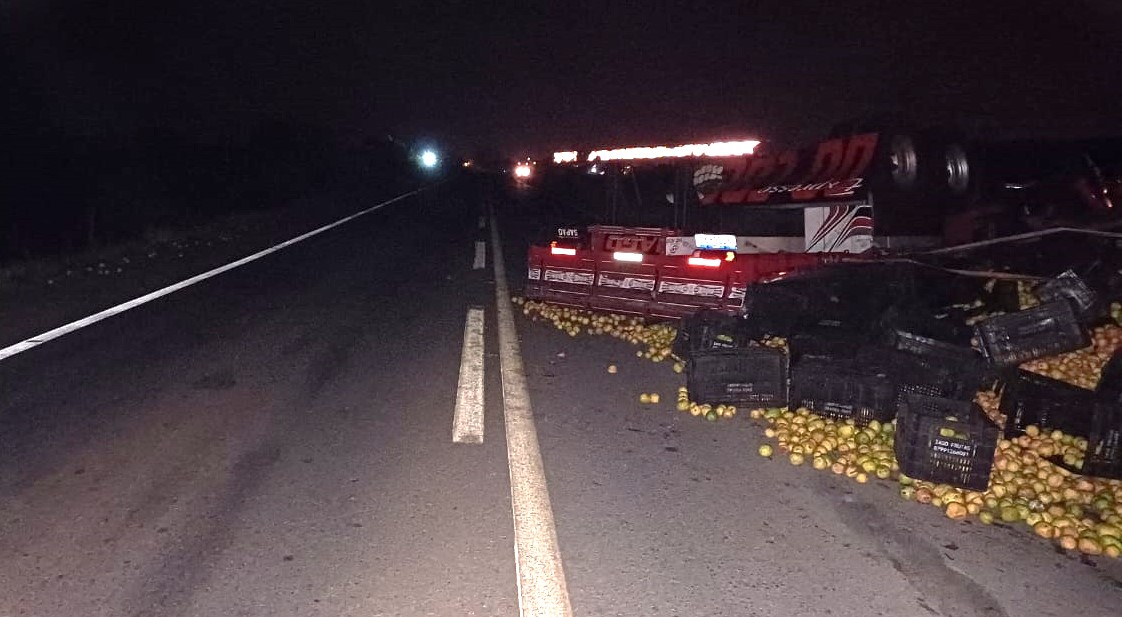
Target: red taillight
[[561, 250], [710, 259]]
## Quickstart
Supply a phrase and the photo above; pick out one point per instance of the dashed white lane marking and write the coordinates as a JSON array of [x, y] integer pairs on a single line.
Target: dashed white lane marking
[[467, 423], [49, 335], [482, 221], [542, 590], [480, 255]]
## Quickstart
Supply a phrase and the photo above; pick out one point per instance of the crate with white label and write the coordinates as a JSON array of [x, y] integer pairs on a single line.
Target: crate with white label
[[945, 441]]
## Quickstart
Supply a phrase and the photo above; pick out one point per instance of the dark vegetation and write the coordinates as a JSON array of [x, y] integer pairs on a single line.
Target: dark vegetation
[[65, 193]]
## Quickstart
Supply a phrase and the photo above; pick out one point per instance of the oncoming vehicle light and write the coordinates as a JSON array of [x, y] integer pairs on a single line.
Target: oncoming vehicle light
[[522, 171], [561, 250], [626, 256]]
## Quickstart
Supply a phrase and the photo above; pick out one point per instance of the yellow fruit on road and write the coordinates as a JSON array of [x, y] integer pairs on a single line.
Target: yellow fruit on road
[[1044, 530], [644, 398], [766, 450], [820, 463], [612, 369], [711, 416], [683, 405], [1089, 546], [796, 459], [985, 517], [861, 478], [956, 511], [679, 367], [655, 397]]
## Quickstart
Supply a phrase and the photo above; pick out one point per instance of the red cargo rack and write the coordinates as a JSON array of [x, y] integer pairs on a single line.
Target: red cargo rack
[[625, 270]]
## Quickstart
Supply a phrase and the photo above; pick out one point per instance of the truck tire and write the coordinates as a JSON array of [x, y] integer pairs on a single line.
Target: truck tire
[[899, 168], [955, 170]]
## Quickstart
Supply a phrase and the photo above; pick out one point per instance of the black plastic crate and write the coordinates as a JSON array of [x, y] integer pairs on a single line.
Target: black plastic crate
[[930, 348], [1003, 296], [838, 388], [750, 376], [1070, 287], [945, 441], [776, 308], [709, 330], [1104, 446], [927, 375], [1031, 399], [870, 286], [945, 326], [824, 344], [1109, 388], [1045, 330]]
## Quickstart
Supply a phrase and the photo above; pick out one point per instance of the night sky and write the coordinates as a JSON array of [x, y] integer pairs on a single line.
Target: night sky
[[529, 80]]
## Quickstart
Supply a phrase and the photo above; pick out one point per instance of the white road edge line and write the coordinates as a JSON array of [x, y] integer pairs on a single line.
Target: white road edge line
[[542, 590], [467, 422], [50, 335], [480, 255]]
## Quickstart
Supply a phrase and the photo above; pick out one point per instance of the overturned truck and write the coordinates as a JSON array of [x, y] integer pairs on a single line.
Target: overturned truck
[[858, 196]]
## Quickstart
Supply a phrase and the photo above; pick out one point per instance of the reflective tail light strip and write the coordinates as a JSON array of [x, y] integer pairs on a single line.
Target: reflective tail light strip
[[626, 256]]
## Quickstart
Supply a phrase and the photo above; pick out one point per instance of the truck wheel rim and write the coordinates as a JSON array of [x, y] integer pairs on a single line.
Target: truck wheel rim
[[958, 169], [902, 157]]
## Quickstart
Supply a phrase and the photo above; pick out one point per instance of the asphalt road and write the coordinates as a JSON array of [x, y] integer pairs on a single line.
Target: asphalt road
[[277, 441], [273, 441]]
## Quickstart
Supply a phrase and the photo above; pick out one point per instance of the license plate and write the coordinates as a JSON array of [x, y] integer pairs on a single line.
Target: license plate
[[715, 242]]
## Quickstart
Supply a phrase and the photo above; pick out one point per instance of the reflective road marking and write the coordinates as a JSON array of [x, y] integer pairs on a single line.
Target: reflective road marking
[[467, 424], [541, 579]]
